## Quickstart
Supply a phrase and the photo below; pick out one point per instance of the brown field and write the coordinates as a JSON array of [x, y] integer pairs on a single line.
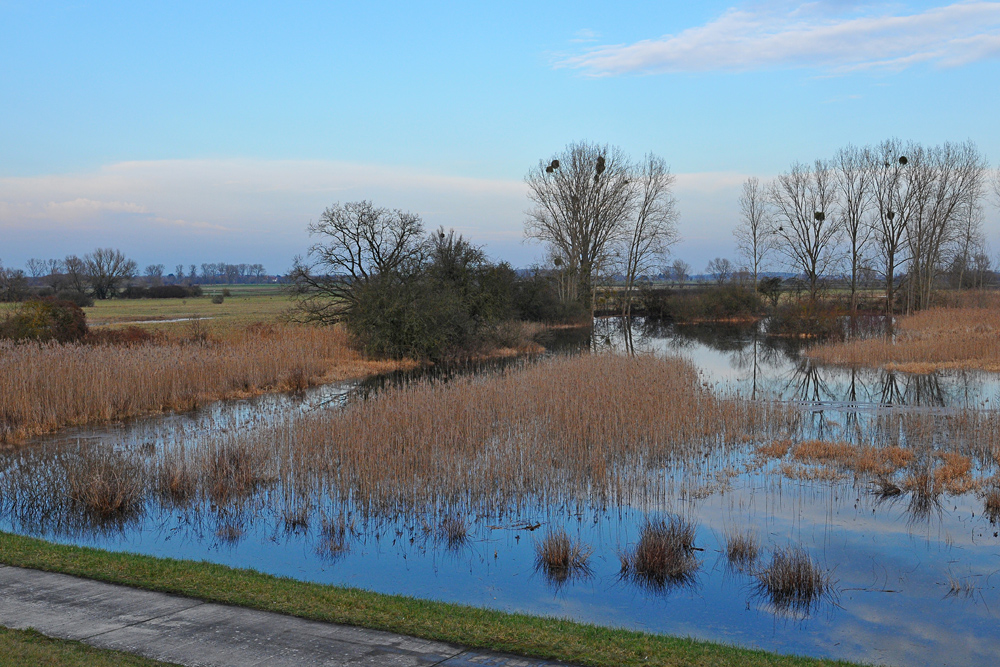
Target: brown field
[[939, 338], [50, 386]]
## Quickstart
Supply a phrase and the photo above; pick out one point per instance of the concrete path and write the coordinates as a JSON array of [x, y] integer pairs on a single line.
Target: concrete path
[[192, 632]]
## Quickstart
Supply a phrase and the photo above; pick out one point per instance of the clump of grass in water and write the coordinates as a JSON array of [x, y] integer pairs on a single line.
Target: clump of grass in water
[[885, 488], [232, 472], [793, 581], [961, 587], [664, 557], [177, 482], [108, 486], [560, 557], [453, 531], [333, 537], [742, 549]]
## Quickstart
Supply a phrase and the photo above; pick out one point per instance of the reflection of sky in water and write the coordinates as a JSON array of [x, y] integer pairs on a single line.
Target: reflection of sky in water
[[892, 571], [891, 574]]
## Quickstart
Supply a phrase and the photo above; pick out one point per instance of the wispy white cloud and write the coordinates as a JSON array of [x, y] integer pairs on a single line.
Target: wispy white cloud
[[830, 36]]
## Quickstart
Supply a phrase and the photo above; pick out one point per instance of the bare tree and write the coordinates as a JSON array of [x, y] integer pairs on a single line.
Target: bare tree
[[154, 274], [582, 198], [806, 223], [107, 268], [647, 241], [77, 274], [854, 176], [894, 202], [945, 181], [754, 233], [721, 269], [680, 270], [36, 267], [358, 243], [179, 273], [13, 284], [54, 273]]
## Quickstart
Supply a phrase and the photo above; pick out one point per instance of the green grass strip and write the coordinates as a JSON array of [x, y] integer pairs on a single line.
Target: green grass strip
[[522, 634], [27, 647]]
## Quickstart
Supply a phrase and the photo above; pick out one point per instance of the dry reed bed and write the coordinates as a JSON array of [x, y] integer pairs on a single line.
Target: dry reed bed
[[939, 338], [47, 387], [582, 429], [594, 430]]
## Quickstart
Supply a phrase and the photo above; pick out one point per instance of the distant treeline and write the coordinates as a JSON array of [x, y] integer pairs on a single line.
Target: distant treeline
[[107, 273]]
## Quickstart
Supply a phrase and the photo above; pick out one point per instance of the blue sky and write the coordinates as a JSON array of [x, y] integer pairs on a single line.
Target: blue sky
[[191, 132]]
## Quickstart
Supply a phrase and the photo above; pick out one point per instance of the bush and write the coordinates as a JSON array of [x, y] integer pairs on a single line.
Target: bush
[[218, 298], [134, 292], [808, 318], [82, 299], [171, 292], [44, 320], [536, 299], [716, 303]]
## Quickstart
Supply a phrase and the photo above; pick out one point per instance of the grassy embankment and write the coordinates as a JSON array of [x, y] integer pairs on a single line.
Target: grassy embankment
[[27, 647], [244, 350], [480, 628], [964, 337]]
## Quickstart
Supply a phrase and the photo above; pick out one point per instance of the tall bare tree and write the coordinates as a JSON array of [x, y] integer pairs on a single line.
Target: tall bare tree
[[806, 222], [680, 270], [754, 233], [77, 275], [107, 269], [893, 203], [646, 241], [37, 268], [154, 274], [854, 175], [945, 181], [357, 243], [583, 198]]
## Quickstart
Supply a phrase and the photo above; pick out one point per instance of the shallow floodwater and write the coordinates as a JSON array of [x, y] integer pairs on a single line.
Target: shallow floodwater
[[893, 563]]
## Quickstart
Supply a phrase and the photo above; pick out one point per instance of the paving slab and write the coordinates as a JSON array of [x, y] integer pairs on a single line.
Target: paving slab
[[191, 632]]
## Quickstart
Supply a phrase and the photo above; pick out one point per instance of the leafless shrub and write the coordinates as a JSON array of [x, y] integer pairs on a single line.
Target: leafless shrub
[[560, 557]]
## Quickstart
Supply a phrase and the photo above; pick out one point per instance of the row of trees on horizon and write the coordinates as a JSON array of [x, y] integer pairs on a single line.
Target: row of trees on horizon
[[107, 272], [899, 213]]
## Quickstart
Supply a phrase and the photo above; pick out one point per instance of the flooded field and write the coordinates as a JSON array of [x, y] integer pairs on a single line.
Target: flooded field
[[878, 490]]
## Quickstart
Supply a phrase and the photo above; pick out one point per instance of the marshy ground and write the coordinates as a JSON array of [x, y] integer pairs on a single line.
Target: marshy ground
[[651, 491]]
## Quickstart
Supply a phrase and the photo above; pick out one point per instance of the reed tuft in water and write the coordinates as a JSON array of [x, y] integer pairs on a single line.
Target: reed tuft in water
[[793, 581], [664, 556], [560, 557]]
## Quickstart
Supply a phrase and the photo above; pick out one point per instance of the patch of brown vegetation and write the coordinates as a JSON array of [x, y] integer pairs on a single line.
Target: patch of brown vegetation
[[47, 387], [938, 338]]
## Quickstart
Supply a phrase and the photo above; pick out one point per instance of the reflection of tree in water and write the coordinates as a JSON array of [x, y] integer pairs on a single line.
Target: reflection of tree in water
[[775, 363]]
